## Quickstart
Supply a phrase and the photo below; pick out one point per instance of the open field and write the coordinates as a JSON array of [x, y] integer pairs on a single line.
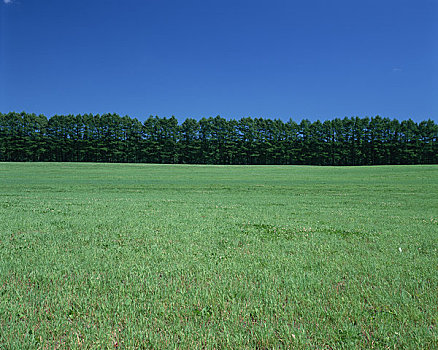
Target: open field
[[155, 256]]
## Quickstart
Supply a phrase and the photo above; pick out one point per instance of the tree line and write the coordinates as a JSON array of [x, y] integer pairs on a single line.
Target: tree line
[[112, 138]]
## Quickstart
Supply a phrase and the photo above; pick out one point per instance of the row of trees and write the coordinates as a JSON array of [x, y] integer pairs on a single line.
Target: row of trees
[[111, 138]]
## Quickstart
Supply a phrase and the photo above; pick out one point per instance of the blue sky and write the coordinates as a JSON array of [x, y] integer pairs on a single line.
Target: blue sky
[[315, 59]]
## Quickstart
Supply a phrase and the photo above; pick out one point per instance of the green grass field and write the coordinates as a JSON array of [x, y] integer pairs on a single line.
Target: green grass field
[[258, 257]]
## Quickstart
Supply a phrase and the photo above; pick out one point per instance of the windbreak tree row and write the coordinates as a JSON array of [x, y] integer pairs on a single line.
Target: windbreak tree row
[[112, 138]]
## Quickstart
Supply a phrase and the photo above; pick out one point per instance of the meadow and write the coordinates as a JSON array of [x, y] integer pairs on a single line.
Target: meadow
[[136, 256]]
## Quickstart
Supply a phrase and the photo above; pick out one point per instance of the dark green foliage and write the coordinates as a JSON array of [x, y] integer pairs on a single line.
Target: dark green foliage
[[114, 139]]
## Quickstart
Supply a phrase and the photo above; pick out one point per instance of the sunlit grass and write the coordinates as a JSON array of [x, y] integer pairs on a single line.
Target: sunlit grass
[[155, 256]]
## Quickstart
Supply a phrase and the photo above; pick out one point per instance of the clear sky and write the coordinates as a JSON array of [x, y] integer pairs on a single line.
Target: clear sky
[[315, 59]]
